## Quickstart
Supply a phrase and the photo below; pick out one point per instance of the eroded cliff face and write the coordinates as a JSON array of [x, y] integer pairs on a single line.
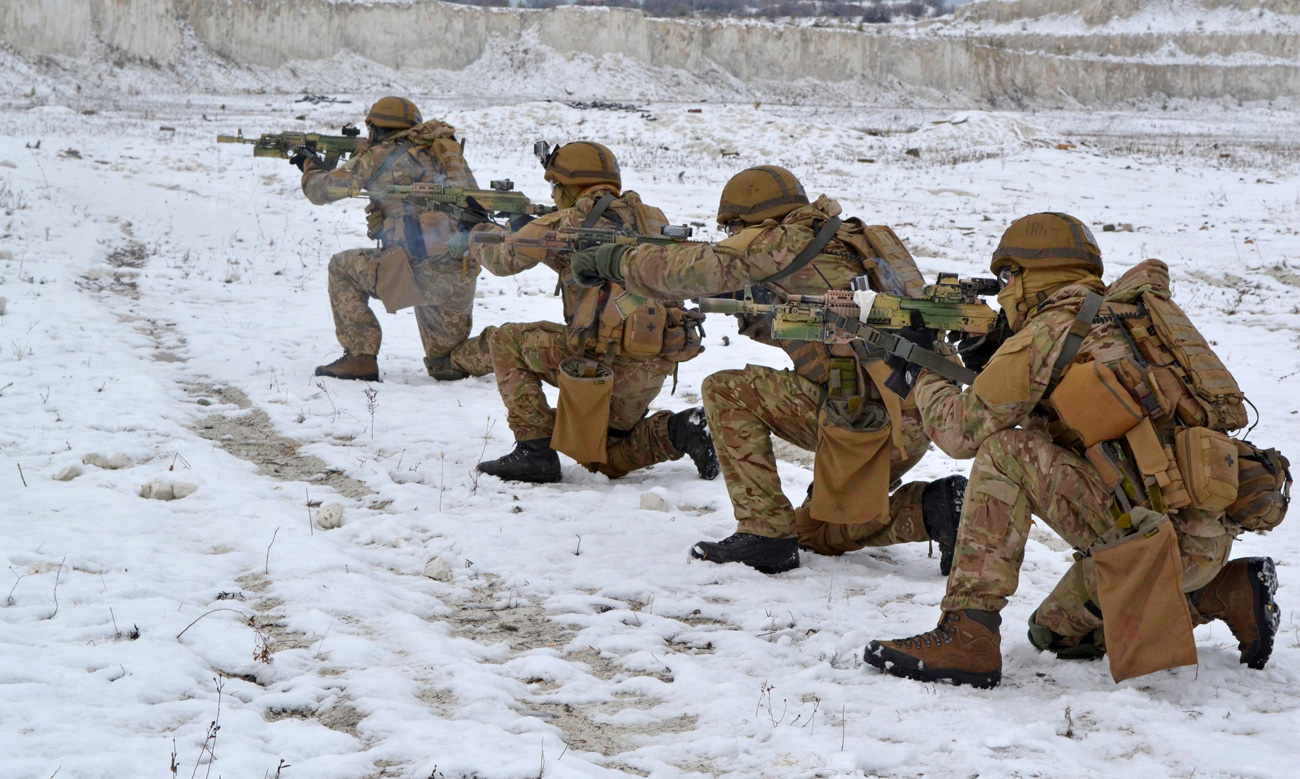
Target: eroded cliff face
[[1037, 50]]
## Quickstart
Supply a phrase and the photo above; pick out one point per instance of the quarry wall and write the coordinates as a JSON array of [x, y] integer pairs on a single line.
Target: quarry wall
[[426, 34]]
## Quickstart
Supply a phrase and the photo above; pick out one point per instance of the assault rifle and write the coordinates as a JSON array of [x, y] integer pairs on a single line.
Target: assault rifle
[[950, 304], [572, 239], [459, 202], [327, 148]]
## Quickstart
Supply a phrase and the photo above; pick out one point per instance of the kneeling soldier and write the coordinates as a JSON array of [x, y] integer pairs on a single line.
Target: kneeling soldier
[[404, 150], [608, 369], [1083, 418], [786, 245]]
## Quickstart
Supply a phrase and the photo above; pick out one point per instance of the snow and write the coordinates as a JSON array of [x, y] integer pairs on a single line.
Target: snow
[[166, 300]]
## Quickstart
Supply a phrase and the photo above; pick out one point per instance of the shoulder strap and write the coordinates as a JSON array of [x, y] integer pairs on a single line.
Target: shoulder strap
[[810, 251], [1078, 331], [597, 211]]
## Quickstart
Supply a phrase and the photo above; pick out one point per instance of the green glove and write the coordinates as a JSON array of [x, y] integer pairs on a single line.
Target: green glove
[[593, 267]]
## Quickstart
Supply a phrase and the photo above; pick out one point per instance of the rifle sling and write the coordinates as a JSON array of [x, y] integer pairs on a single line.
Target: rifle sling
[[1078, 331], [413, 237], [810, 251], [597, 211], [903, 348]]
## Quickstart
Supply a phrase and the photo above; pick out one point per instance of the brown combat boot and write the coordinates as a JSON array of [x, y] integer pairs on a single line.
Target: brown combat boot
[[362, 367], [964, 649], [1242, 596]]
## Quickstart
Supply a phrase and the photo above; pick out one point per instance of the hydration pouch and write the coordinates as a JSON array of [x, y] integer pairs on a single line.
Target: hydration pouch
[[851, 464], [1207, 460], [1139, 590], [1263, 488], [395, 282], [1092, 403], [643, 330], [582, 415]]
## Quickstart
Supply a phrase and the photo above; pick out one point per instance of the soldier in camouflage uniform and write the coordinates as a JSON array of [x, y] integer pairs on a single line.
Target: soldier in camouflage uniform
[[771, 224], [404, 150], [1048, 264], [586, 185]]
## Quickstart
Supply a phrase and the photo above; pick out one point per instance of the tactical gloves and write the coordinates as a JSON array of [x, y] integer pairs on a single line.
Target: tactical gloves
[[302, 155], [520, 222], [905, 374], [593, 267]]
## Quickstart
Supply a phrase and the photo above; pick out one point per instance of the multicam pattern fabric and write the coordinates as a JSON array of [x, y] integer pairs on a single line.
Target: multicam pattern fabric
[[448, 284], [527, 354], [1019, 471], [745, 408]]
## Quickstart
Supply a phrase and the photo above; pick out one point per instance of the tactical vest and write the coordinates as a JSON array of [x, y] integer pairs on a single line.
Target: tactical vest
[[427, 153], [656, 328], [1151, 408]]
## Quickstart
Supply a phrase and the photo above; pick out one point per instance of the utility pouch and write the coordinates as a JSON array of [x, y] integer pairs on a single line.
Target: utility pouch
[[1139, 590], [1207, 459], [683, 334], [1093, 403], [395, 282], [1158, 466], [643, 330], [851, 464], [437, 230], [1263, 488], [582, 415], [374, 221]]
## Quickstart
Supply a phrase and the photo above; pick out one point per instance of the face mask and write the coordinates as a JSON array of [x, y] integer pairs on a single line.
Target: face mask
[[562, 196], [1012, 300], [1031, 287]]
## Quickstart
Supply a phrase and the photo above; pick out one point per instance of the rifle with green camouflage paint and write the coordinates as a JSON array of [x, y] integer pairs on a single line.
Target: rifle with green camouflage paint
[[459, 202], [328, 149], [948, 305]]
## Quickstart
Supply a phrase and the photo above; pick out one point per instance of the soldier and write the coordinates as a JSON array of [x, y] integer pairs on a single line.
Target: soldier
[[1026, 462], [781, 241], [586, 185], [404, 149]]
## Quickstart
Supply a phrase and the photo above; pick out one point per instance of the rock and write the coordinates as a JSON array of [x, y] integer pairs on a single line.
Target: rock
[[653, 501], [5, 254], [68, 473], [438, 570], [329, 516], [205, 401], [119, 461], [96, 459], [913, 152], [161, 489], [3, 304]]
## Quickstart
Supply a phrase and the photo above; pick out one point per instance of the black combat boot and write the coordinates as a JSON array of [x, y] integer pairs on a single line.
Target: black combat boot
[[689, 431], [531, 461], [441, 368], [766, 555], [358, 367], [941, 503]]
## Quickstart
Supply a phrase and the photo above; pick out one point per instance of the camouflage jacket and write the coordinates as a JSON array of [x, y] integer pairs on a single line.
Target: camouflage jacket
[[510, 257], [754, 254], [426, 153]]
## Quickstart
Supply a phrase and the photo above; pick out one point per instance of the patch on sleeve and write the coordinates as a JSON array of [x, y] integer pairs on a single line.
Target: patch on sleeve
[[1005, 379], [740, 241]]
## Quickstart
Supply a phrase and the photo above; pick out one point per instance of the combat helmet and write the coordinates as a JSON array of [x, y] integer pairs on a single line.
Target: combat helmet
[[394, 113], [582, 164], [1048, 240], [755, 194]]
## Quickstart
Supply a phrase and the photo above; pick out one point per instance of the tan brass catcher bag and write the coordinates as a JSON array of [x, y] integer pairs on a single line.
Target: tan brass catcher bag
[[395, 282], [1139, 589], [851, 464], [582, 415]]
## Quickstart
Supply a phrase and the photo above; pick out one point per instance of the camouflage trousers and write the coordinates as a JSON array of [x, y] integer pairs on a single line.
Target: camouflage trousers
[[1021, 472], [526, 354], [745, 409], [444, 323]]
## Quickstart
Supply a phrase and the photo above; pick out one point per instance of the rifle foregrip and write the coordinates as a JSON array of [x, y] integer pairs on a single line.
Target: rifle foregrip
[[490, 239], [722, 306]]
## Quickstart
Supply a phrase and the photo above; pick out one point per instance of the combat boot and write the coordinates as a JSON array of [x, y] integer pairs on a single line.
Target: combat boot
[[442, 369], [965, 648], [941, 503], [531, 461], [689, 431], [765, 555], [1241, 594], [360, 367]]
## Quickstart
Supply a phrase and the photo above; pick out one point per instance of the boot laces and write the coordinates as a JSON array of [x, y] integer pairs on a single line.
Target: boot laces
[[942, 634]]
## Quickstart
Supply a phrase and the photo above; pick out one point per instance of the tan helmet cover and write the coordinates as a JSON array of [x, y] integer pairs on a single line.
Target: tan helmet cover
[[583, 164], [755, 194], [1048, 240], [394, 113]]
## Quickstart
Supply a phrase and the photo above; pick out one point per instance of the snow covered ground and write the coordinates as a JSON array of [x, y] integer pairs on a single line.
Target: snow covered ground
[[164, 298]]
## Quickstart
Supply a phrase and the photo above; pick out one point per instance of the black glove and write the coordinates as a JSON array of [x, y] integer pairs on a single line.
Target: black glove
[[302, 155], [519, 222], [904, 375], [975, 350], [298, 160], [473, 214], [593, 267]]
